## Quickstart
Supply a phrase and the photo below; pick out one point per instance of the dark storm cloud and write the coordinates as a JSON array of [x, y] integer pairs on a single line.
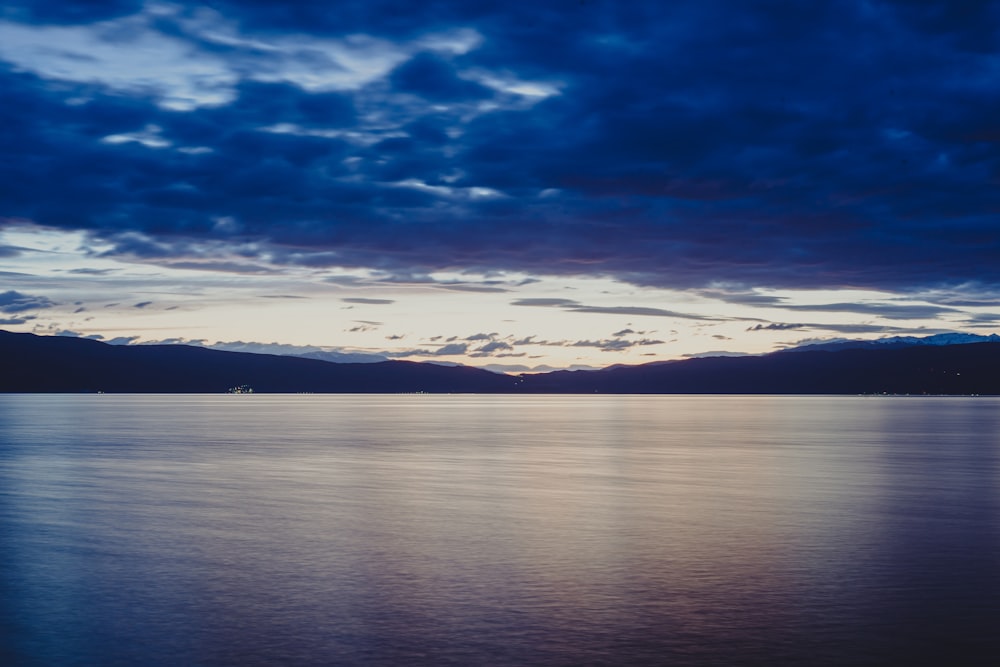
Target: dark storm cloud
[[683, 144], [69, 12], [434, 79]]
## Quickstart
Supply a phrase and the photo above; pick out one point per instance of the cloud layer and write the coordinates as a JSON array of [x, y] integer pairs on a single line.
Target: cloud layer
[[683, 144]]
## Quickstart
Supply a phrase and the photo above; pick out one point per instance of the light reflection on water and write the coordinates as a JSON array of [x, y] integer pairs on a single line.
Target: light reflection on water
[[505, 530]]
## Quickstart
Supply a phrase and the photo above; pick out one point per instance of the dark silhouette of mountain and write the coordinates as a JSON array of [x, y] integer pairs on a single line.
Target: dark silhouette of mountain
[[900, 341], [30, 363], [972, 368]]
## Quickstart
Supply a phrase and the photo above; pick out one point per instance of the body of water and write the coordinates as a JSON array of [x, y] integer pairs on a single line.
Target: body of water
[[498, 530]]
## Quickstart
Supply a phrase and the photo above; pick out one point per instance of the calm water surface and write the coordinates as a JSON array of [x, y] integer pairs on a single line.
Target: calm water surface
[[498, 530]]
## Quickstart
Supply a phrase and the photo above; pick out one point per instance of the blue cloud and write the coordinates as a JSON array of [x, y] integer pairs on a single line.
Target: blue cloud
[[13, 301], [683, 144], [433, 79]]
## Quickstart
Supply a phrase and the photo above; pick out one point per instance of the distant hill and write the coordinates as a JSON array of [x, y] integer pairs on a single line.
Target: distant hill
[[30, 363], [972, 368], [899, 341]]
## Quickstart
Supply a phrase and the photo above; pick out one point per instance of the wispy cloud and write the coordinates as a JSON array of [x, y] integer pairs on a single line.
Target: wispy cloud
[[365, 300], [777, 326], [546, 303], [637, 311], [13, 301], [887, 310], [643, 312], [10, 251], [614, 344], [92, 272], [860, 328]]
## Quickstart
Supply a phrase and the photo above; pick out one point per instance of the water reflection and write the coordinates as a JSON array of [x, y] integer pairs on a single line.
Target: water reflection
[[497, 530]]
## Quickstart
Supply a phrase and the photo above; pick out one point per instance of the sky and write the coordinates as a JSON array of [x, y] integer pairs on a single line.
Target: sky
[[515, 186]]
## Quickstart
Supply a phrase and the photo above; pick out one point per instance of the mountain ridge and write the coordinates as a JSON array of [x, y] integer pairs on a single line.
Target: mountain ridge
[[33, 363], [898, 341], [51, 364]]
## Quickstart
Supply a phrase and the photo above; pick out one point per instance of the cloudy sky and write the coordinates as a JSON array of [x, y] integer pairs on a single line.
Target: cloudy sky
[[517, 185]]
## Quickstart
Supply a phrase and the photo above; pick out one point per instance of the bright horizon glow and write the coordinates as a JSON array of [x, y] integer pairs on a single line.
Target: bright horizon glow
[[462, 318]]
